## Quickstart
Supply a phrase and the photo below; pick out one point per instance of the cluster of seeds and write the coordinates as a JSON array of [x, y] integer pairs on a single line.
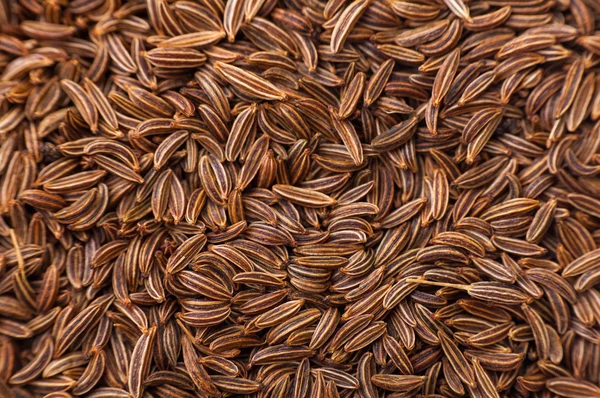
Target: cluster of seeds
[[299, 198]]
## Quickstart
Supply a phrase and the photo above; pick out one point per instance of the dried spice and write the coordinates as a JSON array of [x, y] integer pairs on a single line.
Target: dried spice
[[262, 198]]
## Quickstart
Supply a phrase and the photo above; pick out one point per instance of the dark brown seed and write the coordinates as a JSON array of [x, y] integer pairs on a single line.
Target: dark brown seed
[[398, 383], [457, 360]]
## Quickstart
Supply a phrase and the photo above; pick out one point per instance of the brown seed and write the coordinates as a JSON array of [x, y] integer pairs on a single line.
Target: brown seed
[[567, 386], [346, 22], [378, 81], [303, 196], [240, 131], [351, 96], [397, 355], [36, 365], [455, 357], [398, 383], [82, 101], [175, 58], [185, 252], [249, 82], [349, 137], [444, 77], [570, 88], [141, 358]]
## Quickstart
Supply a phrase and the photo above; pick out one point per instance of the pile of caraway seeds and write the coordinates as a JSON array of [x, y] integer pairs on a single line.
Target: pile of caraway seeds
[[299, 198]]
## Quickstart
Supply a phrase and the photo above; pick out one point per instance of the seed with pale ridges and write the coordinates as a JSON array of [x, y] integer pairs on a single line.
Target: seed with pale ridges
[[249, 82], [398, 383], [175, 58], [570, 387], [36, 365], [346, 21], [141, 359], [82, 101], [444, 77]]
